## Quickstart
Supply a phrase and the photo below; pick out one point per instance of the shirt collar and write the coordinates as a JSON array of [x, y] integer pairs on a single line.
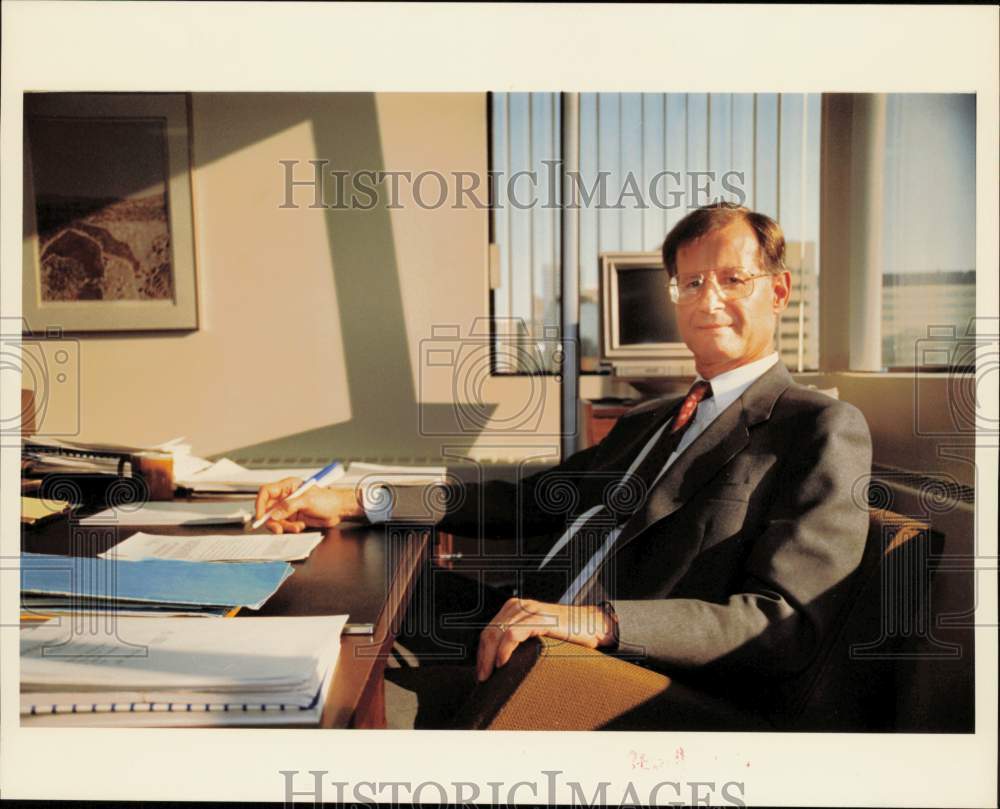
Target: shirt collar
[[729, 386]]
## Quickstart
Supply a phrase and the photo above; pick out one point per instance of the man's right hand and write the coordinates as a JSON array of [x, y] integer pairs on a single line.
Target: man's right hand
[[319, 507]]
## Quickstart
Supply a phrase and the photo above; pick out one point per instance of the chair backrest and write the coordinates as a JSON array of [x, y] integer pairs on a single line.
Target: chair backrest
[[854, 685]]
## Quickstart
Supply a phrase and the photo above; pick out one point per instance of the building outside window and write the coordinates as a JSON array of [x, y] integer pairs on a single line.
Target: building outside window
[[929, 223]]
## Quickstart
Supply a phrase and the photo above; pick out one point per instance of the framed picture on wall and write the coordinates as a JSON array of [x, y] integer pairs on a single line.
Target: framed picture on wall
[[108, 235]]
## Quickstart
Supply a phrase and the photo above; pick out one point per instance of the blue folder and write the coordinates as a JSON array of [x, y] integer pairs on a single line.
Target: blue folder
[[157, 581]]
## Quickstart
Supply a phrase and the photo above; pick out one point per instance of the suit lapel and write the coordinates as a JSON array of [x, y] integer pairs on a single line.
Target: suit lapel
[[709, 452]]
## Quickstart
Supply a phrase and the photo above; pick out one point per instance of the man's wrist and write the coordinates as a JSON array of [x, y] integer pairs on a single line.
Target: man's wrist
[[609, 636]]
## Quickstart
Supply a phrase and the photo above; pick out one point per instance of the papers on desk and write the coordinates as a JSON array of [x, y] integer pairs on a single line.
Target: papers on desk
[[216, 548], [397, 475], [41, 463], [367, 475], [172, 513], [157, 581], [84, 446], [43, 455], [173, 671], [36, 606], [227, 477]]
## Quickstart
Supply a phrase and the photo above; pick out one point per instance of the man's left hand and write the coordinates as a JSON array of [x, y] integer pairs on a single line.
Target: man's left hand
[[523, 618]]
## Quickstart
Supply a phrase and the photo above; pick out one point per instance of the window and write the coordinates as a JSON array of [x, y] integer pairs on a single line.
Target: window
[[524, 154], [645, 160], [929, 223]]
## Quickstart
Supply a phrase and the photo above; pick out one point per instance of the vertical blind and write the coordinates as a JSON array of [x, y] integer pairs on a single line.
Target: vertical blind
[[646, 159]]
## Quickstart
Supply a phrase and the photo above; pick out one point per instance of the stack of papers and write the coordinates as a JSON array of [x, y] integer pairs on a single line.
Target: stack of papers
[[373, 474], [216, 548], [166, 582], [153, 672], [171, 513], [228, 477], [51, 455], [37, 606]]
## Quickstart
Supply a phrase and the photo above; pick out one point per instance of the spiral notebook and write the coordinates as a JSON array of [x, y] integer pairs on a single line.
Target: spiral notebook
[[174, 671]]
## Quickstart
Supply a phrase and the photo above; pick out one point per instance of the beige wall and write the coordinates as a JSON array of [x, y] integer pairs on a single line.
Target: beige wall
[[309, 343]]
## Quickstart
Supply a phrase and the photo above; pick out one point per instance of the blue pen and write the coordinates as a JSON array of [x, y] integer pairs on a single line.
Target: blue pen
[[313, 480]]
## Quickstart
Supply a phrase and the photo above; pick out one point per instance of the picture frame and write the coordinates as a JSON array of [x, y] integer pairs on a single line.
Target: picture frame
[[108, 230]]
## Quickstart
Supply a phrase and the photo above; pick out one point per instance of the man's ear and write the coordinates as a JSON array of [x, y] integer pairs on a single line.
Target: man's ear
[[781, 290]]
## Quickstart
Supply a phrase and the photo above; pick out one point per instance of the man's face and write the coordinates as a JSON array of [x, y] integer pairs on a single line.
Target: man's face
[[724, 334]]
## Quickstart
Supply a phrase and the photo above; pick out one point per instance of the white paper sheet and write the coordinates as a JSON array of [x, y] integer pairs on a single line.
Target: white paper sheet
[[228, 476], [172, 513], [370, 474], [217, 547]]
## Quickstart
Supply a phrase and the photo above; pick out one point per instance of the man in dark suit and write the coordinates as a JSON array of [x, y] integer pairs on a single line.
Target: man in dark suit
[[713, 532]]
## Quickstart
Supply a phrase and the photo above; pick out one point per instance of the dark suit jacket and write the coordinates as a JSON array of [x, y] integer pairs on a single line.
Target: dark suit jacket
[[740, 557]]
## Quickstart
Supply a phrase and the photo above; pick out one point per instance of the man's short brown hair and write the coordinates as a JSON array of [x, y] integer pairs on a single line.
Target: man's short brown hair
[[702, 221]]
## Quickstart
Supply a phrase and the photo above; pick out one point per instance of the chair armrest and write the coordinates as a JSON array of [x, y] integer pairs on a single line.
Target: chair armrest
[[555, 685]]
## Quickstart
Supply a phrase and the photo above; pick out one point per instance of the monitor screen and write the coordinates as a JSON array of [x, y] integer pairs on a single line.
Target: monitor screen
[[645, 313], [639, 334]]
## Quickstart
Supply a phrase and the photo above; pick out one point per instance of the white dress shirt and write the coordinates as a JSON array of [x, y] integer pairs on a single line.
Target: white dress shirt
[[726, 389]]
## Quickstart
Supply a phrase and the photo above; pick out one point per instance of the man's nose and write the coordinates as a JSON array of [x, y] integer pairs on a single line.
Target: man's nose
[[710, 296]]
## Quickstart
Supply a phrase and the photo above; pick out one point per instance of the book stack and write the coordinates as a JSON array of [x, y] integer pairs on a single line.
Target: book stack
[[170, 672]]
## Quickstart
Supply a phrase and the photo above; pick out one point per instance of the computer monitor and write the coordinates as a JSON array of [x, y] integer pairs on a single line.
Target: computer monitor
[[639, 335]]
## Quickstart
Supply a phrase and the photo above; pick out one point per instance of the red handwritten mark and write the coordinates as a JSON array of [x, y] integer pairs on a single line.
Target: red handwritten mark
[[679, 754], [640, 762]]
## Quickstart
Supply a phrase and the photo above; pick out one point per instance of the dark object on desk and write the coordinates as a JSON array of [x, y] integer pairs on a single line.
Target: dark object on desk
[[863, 681], [93, 491], [150, 471], [622, 401]]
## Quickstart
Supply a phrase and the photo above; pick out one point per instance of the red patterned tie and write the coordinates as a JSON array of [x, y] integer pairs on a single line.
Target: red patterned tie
[[699, 390]]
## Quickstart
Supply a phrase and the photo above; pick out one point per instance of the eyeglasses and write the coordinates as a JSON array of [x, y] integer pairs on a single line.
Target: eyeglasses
[[731, 286]]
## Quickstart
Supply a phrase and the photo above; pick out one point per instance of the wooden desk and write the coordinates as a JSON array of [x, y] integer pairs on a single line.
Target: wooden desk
[[363, 569]]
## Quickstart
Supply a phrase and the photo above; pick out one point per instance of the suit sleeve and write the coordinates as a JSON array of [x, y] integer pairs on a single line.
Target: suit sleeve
[[790, 591], [537, 505]]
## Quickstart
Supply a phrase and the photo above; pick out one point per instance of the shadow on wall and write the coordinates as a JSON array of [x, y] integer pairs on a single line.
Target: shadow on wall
[[386, 415]]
